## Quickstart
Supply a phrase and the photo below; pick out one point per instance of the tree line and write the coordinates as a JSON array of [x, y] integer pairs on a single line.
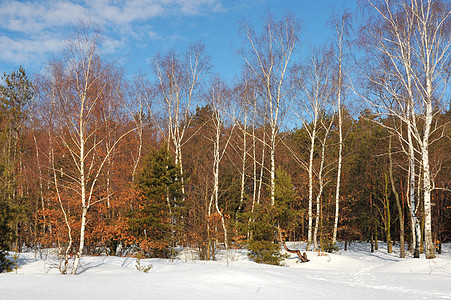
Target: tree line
[[93, 162]]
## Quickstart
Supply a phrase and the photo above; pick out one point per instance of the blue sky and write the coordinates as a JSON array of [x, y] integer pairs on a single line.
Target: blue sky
[[32, 32]]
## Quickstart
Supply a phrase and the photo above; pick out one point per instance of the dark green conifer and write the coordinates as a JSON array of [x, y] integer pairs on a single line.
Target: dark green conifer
[[264, 248], [16, 92], [159, 216]]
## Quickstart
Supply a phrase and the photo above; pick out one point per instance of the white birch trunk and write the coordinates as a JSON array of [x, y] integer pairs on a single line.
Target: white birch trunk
[[216, 162], [340, 158], [310, 185], [141, 97], [341, 32], [321, 188], [429, 248], [218, 101], [273, 167], [88, 82], [433, 56], [256, 189], [243, 170], [317, 89], [267, 57], [415, 224], [262, 169], [82, 178]]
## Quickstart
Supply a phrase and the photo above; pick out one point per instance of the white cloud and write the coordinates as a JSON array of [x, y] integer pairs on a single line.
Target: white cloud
[[33, 16], [63, 13], [153, 35], [196, 7], [21, 51], [127, 11], [21, 17], [30, 17], [34, 29], [111, 45]]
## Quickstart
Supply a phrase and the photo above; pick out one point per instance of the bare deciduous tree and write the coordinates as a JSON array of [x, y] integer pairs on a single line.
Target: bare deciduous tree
[[315, 82], [84, 89], [177, 92], [219, 100], [267, 56], [409, 42], [342, 26]]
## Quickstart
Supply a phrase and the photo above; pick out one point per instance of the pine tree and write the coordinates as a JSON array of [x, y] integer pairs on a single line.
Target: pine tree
[[157, 223], [5, 214], [285, 195], [5, 230], [15, 94], [264, 247]]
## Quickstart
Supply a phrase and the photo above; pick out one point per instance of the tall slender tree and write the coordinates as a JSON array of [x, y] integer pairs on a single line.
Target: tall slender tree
[[177, 91], [267, 56], [219, 100], [410, 45], [82, 86], [315, 82], [342, 26], [16, 94]]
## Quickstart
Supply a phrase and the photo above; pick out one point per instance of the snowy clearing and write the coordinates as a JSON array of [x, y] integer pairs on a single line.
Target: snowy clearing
[[357, 273]]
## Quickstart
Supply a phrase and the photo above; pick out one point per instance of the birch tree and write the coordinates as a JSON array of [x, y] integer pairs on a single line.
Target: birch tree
[[179, 82], [341, 26], [219, 100], [433, 26], [140, 98], [243, 93], [251, 115], [410, 40], [267, 56], [315, 83], [322, 182], [82, 86]]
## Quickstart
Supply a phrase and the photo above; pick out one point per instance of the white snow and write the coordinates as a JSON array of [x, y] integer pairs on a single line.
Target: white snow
[[356, 273]]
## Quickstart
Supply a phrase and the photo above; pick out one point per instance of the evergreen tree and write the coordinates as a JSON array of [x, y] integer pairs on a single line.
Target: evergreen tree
[[285, 195], [5, 230], [264, 247], [5, 205], [158, 222], [15, 94]]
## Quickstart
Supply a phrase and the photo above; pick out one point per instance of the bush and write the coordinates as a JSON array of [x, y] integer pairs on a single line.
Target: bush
[[329, 247], [265, 252], [5, 264], [139, 267]]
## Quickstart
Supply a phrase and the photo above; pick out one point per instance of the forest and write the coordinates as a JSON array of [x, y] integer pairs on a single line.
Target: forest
[[349, 142]]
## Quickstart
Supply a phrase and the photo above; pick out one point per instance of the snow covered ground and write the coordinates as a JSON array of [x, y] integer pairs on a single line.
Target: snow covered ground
[[356, 273]]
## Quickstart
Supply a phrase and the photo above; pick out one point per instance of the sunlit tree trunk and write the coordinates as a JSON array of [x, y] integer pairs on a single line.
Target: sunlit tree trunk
[[219, 101], [412, 40], [310, 184], [243, 168], [257, 180], [81, 87], [387, 215], [321, 184], [139, 99], [341, 25], [315, 83], [178, 85], [267, 57]]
